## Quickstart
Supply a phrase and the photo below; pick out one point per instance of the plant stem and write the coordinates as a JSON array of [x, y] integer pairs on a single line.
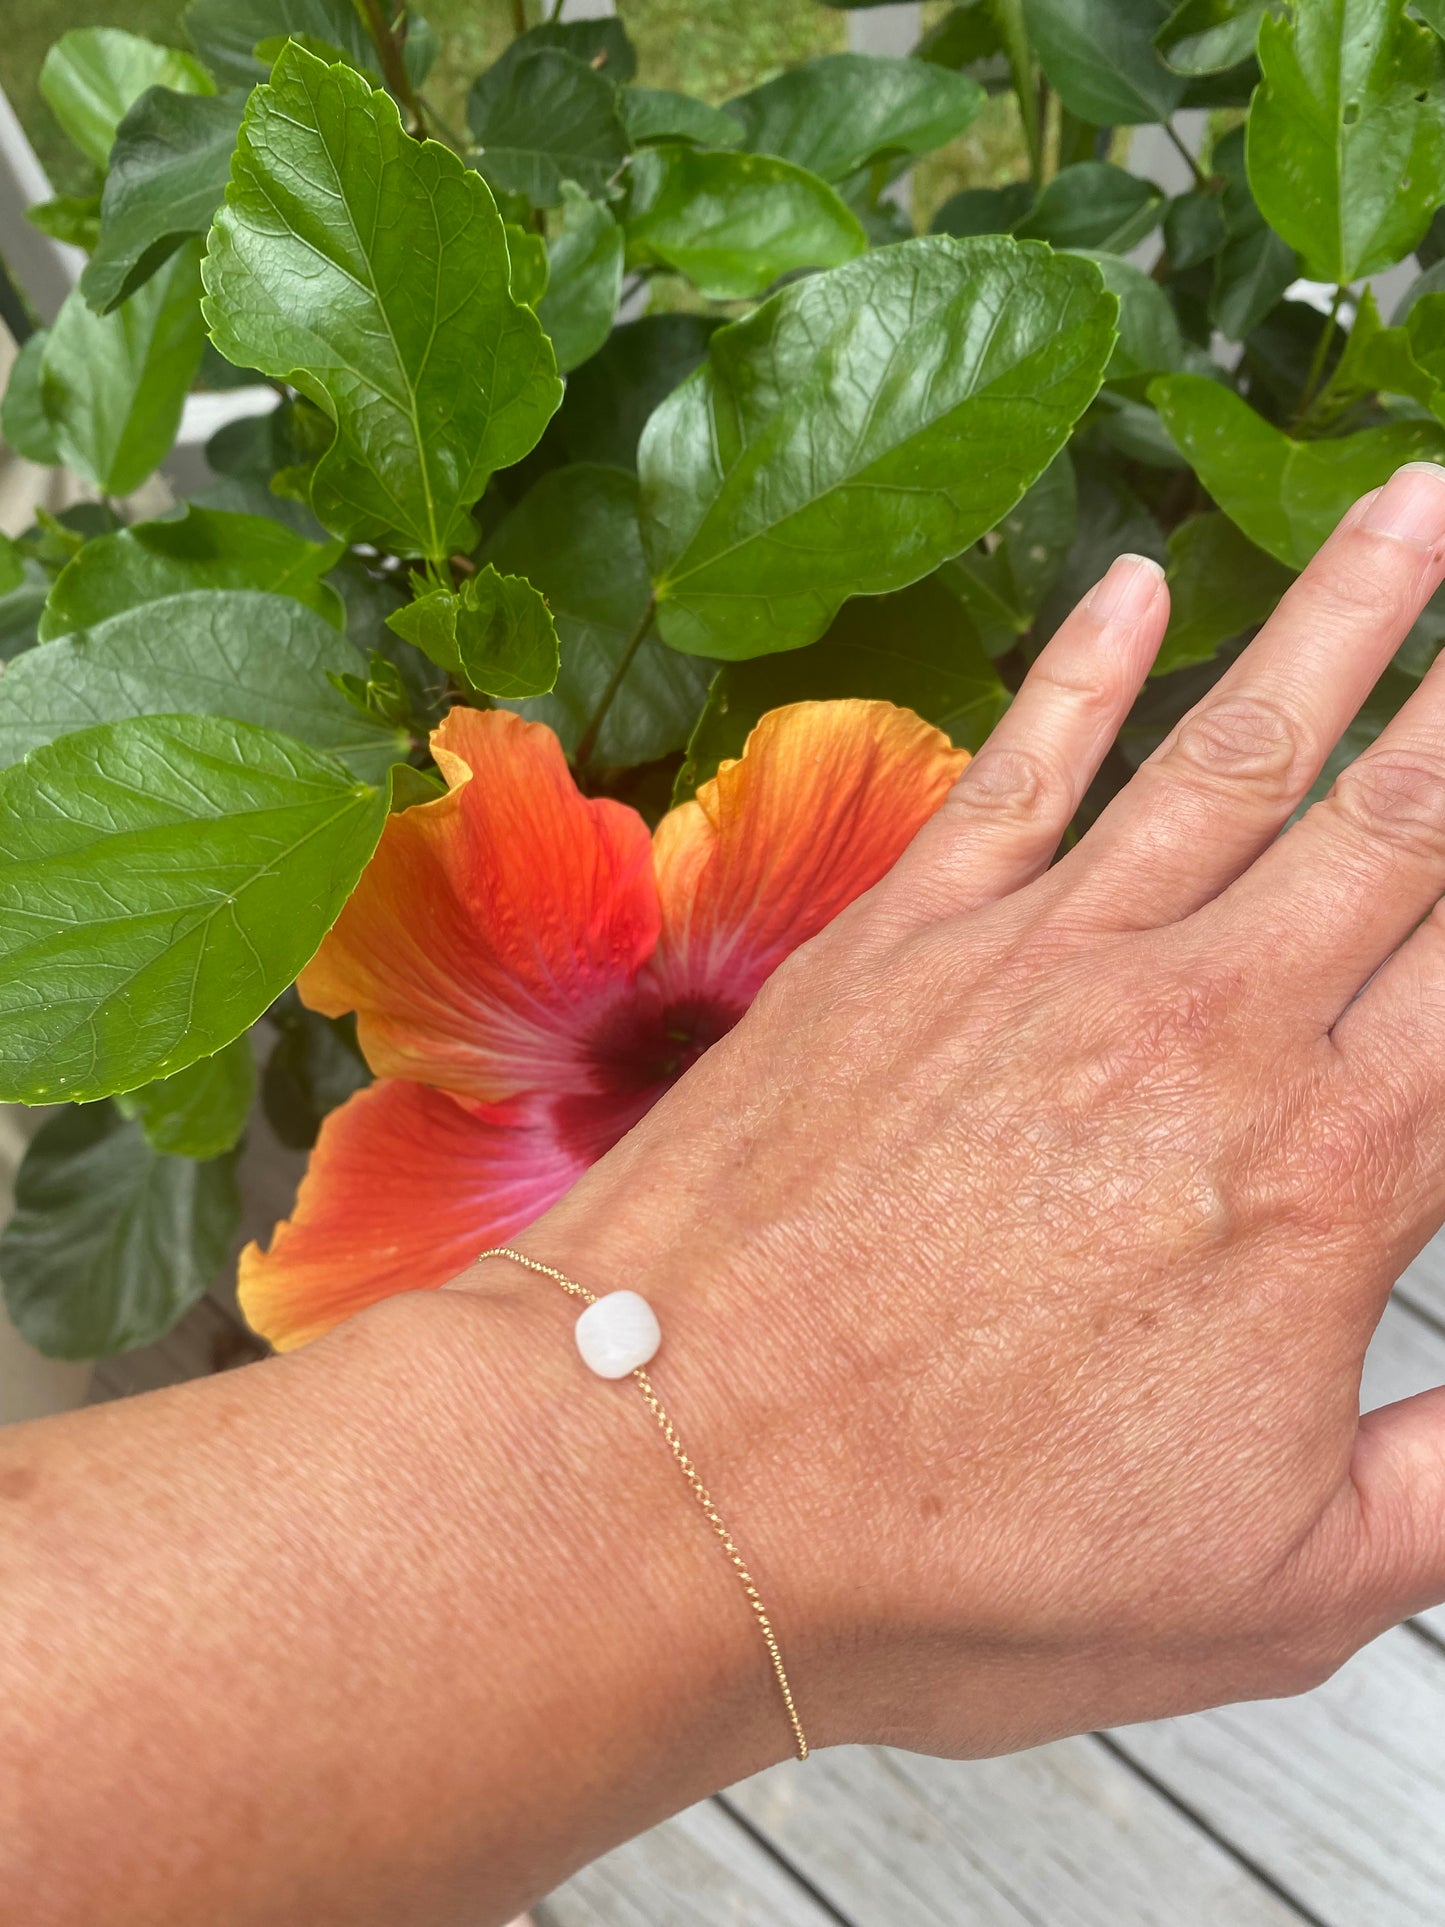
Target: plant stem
[[449, 134], [393, 67], [1200, 178], [519, 16], [1008, 16], [593, 730], [1309, 394]]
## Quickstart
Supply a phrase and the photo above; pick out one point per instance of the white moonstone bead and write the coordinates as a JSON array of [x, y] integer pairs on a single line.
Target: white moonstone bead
[[617, 1333]]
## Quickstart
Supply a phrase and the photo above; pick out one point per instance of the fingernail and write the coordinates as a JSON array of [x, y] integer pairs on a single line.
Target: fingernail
[[1125, 593], [1411, 506], [1358, 510]]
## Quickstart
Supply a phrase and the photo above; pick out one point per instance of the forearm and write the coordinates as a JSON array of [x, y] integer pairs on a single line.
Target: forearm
[[405, 1626]]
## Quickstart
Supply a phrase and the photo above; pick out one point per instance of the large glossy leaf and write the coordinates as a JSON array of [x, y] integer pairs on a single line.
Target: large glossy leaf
[[113, 386], [1285, 495], [202, 1110], [1002, 583], [1210, 36], [610, 397], [372, 272], [600, 43], [199, 549], [858, 429], [584, 279], [1100, 55], [226, 34], [1093, 205], [1220, 584], [110, 1242], [838, 112], [575, 537], [732, 223], [161, 881], [92, 76], [654, 114], [1346, 143], [984, 210], [494, 633], [915, 647], [168, 173], [543, 120], [259, 659]]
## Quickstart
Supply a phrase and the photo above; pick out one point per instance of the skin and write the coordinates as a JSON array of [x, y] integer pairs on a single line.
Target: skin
[[1016, 1258]]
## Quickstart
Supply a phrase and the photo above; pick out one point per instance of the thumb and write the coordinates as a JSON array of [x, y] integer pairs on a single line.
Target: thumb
[[1398, 1471]]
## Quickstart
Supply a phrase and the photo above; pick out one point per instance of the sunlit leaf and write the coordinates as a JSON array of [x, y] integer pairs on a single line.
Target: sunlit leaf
[[92, 76], [1101, 57], [365, 268], [494, 633], [544, 120], [161, 881], [858, 429], [839, 112], [584, 279]]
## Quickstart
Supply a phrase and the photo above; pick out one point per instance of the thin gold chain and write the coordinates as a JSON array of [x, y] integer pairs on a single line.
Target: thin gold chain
[[700, 1492]]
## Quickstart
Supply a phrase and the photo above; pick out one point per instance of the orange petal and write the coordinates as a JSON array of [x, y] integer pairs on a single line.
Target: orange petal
[[404, 1188], [496, 927], [823, 800]]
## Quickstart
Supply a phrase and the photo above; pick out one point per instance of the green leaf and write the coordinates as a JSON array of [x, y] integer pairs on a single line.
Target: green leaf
[[92, 76], [1220, 584], [1377, 359], [113, 386], [601, 44], [915, 648], [202, 1110], [1346, 142], [575, 538], [24, 423], [966, 34], [168, 174], [1094, 205], [257, 659], [314, 1067], [1002, 585], [495, 633], [543, 120], [584, 279], [984, 210], [162, 879], [21, 609], [654, 114], [1100, 56], [860, 428], [1149, 339], [840, 112], [1111, 520], [610, 397], [110, 1243], [1194, 228], [365, 268], [527, 253], [1210, 36], [1285, 495], [1254, 267], [72, 218], [732, 223], [12, 566], [1425, 336], [226, 34], [200, 549]]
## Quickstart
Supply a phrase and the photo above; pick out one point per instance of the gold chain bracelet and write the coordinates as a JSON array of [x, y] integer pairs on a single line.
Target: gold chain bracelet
[[685, 1464]]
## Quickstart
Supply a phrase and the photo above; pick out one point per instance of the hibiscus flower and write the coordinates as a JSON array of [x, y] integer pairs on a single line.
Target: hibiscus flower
[[531, 970]]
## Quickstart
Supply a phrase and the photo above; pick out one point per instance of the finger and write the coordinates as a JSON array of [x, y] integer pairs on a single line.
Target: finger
[[1331, 901], [1003, 819], [1220, 787], [1398, 1474]]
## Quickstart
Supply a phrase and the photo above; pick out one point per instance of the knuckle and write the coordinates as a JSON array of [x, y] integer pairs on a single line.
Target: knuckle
[[1239, 739], [1360, 581], [1394, 798], [1020, 784]]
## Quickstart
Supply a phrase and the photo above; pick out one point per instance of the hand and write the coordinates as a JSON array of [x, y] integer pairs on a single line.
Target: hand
[[1017, 1255]]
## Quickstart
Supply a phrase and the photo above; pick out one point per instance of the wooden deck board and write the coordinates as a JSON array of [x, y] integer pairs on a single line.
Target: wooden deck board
[[702, 1869], [1062, 1834]]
